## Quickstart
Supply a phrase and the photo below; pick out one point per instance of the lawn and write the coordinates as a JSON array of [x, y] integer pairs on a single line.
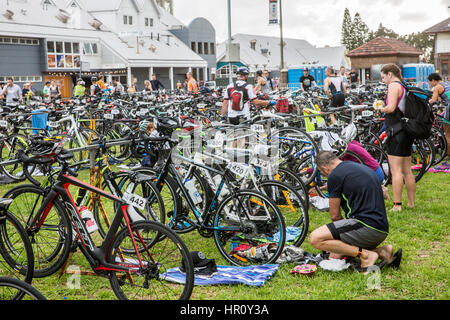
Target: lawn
[[421, 232]]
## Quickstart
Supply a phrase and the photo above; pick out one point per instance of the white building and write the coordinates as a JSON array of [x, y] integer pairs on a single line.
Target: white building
[[263, 52], [57, 39]]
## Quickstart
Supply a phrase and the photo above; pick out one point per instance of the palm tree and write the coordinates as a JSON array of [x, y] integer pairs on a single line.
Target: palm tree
[[166, 4]]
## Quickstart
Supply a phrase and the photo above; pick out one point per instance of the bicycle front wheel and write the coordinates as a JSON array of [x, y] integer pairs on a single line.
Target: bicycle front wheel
[[249, 229], [153, 269], [14, 289]]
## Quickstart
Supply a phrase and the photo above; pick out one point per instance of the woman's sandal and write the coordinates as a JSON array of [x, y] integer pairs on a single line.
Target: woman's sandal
[[397, 207], [395, 264]]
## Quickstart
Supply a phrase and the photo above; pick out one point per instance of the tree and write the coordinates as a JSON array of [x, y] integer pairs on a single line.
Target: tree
[[166, 4], [383, 32], [361, 31], [423, 42], [346, 34]]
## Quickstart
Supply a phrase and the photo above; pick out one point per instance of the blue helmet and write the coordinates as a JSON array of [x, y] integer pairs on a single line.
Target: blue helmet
[[243, 71]]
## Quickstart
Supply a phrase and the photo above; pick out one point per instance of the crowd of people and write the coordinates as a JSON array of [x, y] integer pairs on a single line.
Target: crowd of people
[[12, 93]]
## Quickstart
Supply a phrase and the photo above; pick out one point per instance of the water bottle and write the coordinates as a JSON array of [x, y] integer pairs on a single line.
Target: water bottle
[[217, 179], [88, 218], [195, 195]]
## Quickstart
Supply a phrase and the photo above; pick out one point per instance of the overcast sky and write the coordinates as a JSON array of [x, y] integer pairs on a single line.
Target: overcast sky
[[317, 21]]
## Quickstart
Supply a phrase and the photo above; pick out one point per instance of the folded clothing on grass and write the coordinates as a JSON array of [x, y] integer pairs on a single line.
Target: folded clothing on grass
[[251, 275]]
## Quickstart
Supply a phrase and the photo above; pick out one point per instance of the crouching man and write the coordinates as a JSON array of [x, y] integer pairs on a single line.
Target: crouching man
[[356, 189]]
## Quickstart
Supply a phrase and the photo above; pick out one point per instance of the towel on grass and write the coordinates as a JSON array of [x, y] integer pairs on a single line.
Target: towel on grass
[[251, 275]]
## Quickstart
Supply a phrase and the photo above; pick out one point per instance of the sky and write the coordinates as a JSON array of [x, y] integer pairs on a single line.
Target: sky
[[317, 21]]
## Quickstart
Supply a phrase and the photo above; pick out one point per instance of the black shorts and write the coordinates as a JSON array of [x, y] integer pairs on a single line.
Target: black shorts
[[356, 234], [338, 100], [399, 145]]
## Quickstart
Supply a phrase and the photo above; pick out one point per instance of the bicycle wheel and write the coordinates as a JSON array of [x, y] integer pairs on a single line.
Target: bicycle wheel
[[15, 289], [51, 244], [161, 251], [9, 147], [249, 229], [440, 145], [292, 207], [16, 253]]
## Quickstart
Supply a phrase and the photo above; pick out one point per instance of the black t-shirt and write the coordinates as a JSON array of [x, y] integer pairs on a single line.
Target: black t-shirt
[[354, 77], [156, 84], [307, 81], [361, 195]]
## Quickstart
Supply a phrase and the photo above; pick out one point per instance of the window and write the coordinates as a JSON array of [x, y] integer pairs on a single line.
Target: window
[[90, 48], [212, 48], [200, 51], [125, 19], [23, 79], [224, 71], [205, 48], [130, 20], [149, 22], [65, 55], [193, 46], [19, 41]]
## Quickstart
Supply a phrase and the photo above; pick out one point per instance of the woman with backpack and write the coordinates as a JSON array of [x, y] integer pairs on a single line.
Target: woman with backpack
[[399, 145]]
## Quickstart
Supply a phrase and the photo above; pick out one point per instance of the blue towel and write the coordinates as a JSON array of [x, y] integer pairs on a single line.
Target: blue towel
[[251, 275], [39, 120]]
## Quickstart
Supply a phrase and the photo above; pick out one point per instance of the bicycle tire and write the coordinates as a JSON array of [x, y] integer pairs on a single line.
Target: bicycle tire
[[163, 244], [291, 218], [52, 243], [23, 288], [16, 253]]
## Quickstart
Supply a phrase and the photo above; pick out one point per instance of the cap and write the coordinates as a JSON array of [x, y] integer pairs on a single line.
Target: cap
[[202, 266]]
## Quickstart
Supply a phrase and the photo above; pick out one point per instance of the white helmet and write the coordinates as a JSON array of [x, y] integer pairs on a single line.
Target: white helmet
[[349, 133]]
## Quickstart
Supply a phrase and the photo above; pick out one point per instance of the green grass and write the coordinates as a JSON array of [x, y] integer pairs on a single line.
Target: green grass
[[421, 232]]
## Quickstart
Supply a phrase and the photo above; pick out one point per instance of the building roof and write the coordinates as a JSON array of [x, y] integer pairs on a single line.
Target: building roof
[[296, 52], [384, 47], [30, 20], [443, 26]]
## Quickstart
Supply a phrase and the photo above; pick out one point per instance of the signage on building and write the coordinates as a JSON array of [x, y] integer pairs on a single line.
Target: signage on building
[[273, 11]]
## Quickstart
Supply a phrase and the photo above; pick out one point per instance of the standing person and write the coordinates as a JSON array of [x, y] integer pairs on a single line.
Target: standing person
[[47, 91], [441, 92], [32, 91], [355, 189], [79, 90], [133, 87], [307, 80], [147, 86], [118, 87], [26, 89], [101, 82], [156, 84], [55, 93], [179, 85], [95, 87], [343, 75], [231, 107], [192, 86], [12, 91], [399, 145], [335, 89], [354, 77], [265, 84]]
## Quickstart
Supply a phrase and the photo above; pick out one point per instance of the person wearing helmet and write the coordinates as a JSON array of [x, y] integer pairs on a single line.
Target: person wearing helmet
[[79, 90], [237, 98], [95, 87]]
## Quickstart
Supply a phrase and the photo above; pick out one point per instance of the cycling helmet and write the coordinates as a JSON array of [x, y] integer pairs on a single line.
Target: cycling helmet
[[243, 71], [349, 133], [93, 79], [46, 147]]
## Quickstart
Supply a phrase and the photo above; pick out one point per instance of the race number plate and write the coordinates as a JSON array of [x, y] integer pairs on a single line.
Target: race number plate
[[52, 124], [238, 169], [257, 128], [109, 116], [367, 113], [258, 162], [135, 200]]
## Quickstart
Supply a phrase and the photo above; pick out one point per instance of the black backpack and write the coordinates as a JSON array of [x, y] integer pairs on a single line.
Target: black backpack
[[418, 118]]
